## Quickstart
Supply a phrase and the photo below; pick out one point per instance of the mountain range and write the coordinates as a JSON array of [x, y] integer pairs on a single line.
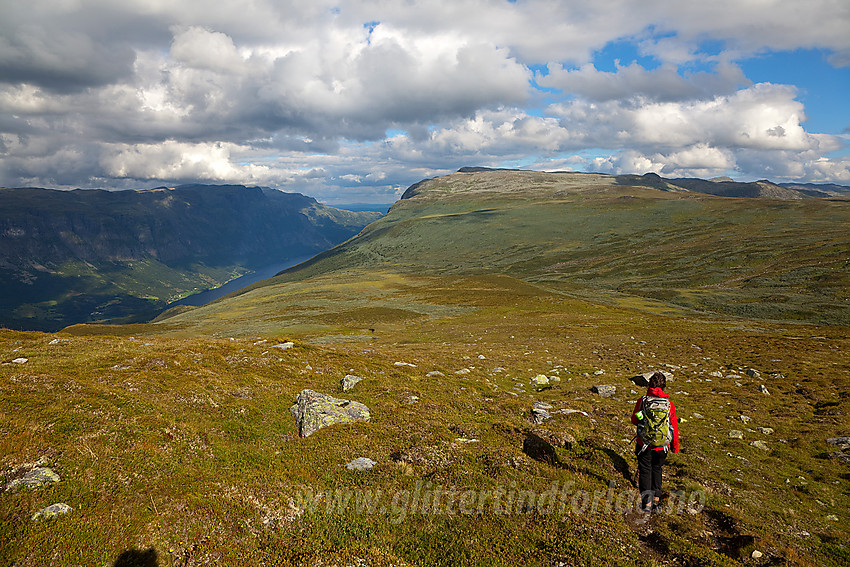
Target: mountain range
[[91, 255]]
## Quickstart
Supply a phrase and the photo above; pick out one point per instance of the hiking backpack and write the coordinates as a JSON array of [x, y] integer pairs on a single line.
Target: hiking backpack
[[654, 429]]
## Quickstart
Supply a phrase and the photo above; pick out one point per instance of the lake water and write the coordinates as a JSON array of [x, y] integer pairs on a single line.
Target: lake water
[[204, 297]]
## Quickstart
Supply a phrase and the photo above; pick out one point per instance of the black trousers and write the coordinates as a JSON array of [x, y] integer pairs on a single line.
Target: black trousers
[[649, 474]]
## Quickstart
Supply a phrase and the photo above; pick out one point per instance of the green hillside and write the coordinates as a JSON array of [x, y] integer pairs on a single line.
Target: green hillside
[[600, 237]]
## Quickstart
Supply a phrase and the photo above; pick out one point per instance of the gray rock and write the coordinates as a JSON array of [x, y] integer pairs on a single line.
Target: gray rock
[[313, 411], [642, 379], [843, 457], [434, 373], [753, 373], [361, 464], [39, 476], [349, 381], [765, 430], [52, 511], [736, 434], [760, 445], [840, 442], [696, 415], [284, 346], [539, 416], [605, 390], [763, 389], [542, 405]]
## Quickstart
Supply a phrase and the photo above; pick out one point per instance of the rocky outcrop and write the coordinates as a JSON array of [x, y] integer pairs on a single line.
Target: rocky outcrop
[[313, 411]]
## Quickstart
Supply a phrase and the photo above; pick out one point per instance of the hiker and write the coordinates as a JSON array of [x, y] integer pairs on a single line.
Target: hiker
[[658, 432]]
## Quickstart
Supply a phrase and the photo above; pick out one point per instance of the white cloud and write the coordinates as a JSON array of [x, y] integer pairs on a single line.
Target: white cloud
[[301, 94]]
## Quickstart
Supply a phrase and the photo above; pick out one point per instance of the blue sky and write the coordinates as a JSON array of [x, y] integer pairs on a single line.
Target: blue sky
[[354, 100]]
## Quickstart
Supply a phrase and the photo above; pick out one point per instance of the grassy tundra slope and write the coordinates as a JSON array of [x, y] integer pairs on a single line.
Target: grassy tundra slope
[[176, 437]]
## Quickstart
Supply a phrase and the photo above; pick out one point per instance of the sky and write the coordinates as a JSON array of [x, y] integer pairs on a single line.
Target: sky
[[354, 100]]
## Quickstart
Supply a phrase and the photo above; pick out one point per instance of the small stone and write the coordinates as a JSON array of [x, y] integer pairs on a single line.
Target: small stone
[[539, 416], [765, 430], [482, 357], [540, 380], [20, 360], [763, 389], [599, 373], [832, 518], [756, 554], [736, 434], [746, 419], [716, 374], [361, 464], [753, 373], [58, 341], [605, 390], [36, 477], [542, 405], [412, 400], [463, 371], [349, 381], [404, 364], [554, 380], [52, 511], [696, 415], [760, 445], [434, 373], [284, 346]]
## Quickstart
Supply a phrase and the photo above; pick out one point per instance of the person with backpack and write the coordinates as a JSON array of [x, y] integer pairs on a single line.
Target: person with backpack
[[657, 432]]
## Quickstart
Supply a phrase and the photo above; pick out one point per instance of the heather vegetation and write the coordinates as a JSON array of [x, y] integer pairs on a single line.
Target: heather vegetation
[[483, 324]]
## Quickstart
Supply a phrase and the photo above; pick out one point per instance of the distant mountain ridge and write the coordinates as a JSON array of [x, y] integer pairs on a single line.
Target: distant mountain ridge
[[74, 256], [719, 186]]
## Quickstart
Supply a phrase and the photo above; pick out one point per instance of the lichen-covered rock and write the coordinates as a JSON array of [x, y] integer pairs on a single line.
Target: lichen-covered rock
[[361, 464], [349, 381], [33, 479], [736, 434], [313, 411], [540, 380], [605, 390], [760, 445], [52, 511]]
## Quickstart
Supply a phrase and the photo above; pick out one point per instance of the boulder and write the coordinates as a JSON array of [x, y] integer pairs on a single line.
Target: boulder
[[753, 373], [763, 389], [642, 379], [38, 476], [840, 442], [313, 411], [736, 434], [349, 381], [605, 390]]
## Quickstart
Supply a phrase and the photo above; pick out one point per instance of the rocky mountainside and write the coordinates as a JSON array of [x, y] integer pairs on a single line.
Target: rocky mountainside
[[76, 256]]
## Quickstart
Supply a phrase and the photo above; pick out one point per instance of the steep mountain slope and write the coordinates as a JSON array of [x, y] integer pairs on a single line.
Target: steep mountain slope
[[77, 256], [592, 236]]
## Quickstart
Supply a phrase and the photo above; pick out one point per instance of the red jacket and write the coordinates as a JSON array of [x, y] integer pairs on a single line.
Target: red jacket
[[674, 421]]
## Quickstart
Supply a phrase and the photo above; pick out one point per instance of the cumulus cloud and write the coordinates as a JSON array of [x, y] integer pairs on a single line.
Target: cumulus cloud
[[355, 98]]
